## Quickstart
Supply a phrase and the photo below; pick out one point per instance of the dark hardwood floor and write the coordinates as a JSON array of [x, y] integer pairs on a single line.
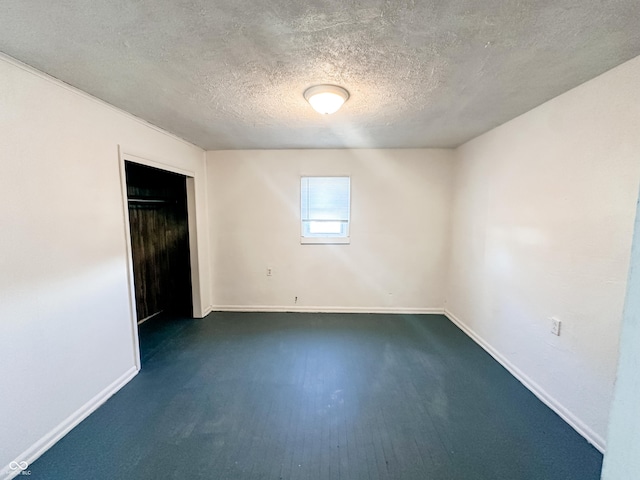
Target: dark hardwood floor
[[319, 396]]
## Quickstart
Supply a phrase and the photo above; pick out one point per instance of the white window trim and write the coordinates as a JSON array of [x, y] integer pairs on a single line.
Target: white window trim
[[325, 240], [330, 239]]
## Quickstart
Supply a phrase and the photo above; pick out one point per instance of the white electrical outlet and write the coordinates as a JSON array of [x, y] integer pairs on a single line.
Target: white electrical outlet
[[555, 326], [269, 271]]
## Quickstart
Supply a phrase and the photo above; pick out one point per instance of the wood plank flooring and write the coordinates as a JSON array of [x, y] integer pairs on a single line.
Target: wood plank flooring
[[319, 396]]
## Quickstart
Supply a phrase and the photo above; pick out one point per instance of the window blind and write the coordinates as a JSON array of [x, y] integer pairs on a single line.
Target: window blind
[[324, 206]]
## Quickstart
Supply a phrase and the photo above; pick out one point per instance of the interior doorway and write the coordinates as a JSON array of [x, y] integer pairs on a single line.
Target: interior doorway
[[159, 231]]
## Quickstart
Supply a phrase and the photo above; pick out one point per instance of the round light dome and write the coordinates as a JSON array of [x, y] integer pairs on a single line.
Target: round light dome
[[326, 99]]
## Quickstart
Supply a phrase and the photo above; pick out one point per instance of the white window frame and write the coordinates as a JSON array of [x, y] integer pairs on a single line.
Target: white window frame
[[342, 238]]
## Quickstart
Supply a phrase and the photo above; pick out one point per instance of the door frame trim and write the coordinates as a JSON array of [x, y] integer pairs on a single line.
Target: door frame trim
[[125, 155]]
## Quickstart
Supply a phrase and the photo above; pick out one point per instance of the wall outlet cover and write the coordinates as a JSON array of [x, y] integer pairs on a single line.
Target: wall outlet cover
[[555, 326]]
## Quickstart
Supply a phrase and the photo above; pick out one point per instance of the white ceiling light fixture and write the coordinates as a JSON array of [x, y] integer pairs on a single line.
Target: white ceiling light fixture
[[326, 99]]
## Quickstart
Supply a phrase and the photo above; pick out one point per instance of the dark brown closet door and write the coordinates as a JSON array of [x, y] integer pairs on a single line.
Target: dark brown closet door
[[159, 240]]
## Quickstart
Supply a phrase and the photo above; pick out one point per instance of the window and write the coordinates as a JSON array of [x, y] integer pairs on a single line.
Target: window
[[324, 209]]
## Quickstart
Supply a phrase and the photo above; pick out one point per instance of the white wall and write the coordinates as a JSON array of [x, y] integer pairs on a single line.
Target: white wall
[[397, 259], [542, 222], [66, 336], [542, 226], [622, 460]]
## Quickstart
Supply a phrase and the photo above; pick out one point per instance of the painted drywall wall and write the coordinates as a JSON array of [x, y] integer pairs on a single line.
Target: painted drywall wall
[[622, 461], [66, 338], [542, 225], [397, 258]]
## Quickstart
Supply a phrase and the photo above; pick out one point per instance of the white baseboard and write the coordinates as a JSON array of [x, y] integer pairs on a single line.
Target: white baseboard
[[317, 309], [578, 425], [207, 311], [32, 453]]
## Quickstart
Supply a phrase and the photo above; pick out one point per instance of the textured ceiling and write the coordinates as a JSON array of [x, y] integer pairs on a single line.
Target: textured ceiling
[[230, 74]]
